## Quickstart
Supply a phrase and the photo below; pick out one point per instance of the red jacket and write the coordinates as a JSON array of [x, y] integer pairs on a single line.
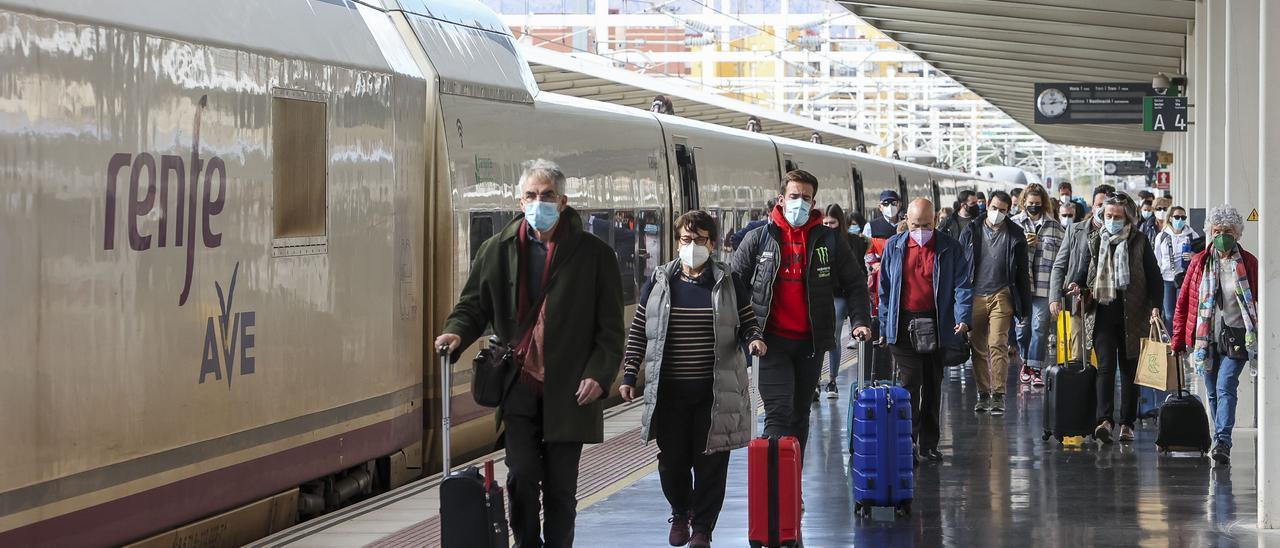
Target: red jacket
[[1184, 315]]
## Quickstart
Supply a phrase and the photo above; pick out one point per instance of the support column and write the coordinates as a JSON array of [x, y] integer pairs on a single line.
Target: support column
[[1268, 273], [1241, 181], [1214, 104], [1199, 90]]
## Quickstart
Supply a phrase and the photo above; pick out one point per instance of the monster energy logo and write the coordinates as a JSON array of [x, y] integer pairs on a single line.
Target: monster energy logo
[[822, 254]]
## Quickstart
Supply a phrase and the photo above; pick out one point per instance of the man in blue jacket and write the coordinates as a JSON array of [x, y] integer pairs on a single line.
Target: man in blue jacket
[[924, 278]]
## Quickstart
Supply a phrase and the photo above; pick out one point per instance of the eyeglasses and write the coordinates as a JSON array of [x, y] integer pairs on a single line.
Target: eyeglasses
[[686, 240], [1162, 209], [1179, 217], [544, 196], [889, 202]]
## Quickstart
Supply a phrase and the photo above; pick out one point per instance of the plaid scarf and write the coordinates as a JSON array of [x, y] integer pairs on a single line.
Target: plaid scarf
[[1113, 265], [1208, 292]]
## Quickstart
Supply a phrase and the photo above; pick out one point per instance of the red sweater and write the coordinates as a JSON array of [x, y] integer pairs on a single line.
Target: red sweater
[[917, 276], [789, 313]]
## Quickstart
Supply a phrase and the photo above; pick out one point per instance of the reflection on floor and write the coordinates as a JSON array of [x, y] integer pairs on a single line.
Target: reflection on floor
[[1000, 485]]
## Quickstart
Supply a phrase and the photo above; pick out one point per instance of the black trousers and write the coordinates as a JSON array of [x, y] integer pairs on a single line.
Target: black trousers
[[788, 374], [537, 468], [921, 375], [1109, 343], [691, 480]]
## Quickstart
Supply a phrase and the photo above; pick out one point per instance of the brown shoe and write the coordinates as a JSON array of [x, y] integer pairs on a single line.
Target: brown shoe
[[700, 540], [679, 529]]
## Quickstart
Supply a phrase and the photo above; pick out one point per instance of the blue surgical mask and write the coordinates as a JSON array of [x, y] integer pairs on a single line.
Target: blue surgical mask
[[855, 230], [1114, 226], [1097, 215], [541, 216], [796, 211], [1179, 224]]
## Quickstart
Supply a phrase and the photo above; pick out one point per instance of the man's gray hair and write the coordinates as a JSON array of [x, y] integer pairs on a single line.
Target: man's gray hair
[[1223, 215], [545, 170]]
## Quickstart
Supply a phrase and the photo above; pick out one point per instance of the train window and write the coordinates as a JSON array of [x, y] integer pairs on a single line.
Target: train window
[[299, 125], [624, 243], [649, 244], [902, 189], [859, 201], [688, 177], [481, 230], [791, 166]]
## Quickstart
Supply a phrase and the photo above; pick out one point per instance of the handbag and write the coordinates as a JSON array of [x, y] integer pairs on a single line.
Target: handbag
[[953, 355], [496, 368], [924, 335], [1231, 343]]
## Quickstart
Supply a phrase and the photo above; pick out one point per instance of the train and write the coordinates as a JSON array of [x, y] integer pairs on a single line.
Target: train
[[230, 231]]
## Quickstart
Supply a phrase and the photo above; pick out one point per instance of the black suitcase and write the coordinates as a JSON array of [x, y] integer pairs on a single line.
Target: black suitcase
[[876, 362], [1182, 424], [472, 511], [1070, 395]]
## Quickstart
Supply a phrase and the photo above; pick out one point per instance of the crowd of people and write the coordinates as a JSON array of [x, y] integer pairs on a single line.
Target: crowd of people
[[988, 274]]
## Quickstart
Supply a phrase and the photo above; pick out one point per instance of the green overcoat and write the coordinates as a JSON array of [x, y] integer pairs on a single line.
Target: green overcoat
[[584, 333]]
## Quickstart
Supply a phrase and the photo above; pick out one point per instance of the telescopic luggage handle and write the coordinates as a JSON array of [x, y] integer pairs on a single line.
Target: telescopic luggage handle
[[446, 391]]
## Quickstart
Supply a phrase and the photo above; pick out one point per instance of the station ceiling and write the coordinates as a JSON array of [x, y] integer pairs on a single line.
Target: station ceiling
[[1000, 49], [568, 75]]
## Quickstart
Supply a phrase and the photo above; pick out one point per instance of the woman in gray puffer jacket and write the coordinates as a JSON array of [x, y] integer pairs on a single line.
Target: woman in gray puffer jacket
[[691, 319]]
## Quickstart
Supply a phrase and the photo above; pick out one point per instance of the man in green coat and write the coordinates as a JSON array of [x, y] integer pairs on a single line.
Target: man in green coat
[[570, 354]]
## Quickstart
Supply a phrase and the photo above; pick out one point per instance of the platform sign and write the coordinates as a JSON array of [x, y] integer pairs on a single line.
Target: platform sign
[[1164, 113], [1163, 180], [1090, 103], [1124, 168]]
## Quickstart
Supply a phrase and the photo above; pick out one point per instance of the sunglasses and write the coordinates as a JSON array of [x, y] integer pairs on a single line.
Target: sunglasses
[[1180, 217]]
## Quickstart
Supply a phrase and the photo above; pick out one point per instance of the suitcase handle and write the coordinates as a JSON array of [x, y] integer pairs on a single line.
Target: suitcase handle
[[446, 391]]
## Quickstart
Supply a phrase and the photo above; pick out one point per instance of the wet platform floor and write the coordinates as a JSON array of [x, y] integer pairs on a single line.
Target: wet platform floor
[[999, 485]]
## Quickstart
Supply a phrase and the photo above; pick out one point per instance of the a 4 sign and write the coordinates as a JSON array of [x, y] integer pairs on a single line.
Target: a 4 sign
[[1161, 113]]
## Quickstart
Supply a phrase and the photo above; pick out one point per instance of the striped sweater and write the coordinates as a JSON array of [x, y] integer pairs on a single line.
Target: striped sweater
[[690, 348], [1041, 256]]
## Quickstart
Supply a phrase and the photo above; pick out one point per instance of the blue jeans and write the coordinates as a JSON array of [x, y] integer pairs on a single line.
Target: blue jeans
[[837, 352], [1170, 301], [1221, 383], [1033, 335]]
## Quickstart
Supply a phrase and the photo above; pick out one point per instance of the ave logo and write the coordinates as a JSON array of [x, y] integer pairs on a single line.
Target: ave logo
[[228, 337]]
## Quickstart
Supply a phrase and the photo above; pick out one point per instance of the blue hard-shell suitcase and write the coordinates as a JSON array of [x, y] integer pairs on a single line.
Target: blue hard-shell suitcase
[[882, 455]]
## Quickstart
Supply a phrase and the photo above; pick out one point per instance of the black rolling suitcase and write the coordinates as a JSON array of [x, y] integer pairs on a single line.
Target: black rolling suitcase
[[1182, 424], [875, 361], [1070, 390], [472, 511]]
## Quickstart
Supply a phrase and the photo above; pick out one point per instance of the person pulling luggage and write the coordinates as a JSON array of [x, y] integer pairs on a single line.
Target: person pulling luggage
[[926, 307], [554, 269], [696, 402], [1122, 290], [796, 267], [1216, 319]]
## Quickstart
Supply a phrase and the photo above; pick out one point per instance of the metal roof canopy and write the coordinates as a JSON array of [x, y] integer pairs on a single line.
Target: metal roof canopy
[[569, 75], [999, 49]]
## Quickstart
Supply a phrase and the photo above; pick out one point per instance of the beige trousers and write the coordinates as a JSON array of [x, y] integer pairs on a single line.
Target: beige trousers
[[992, 318]]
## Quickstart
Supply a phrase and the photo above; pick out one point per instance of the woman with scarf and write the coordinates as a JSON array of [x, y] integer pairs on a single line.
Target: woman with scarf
[[1216, 319], [1122, 291]]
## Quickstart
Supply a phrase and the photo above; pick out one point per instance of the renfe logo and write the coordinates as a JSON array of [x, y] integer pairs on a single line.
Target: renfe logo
[[142, 199], [233, 330]]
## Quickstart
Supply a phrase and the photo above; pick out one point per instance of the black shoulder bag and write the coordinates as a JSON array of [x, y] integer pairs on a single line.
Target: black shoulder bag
[[495, 369]]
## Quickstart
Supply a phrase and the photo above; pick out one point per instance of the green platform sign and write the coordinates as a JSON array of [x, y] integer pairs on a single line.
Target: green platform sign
[[1161, 113]]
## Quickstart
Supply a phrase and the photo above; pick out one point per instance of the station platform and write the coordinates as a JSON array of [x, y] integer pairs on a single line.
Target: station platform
[[999, 485]]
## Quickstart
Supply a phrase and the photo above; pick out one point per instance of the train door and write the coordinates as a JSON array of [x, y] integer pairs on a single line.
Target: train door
[[687, 170], [937, 194], [902, 189], [859, 200]]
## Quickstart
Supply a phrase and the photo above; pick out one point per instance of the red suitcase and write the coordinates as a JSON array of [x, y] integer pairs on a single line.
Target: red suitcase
[[773, 485], [773, 491]]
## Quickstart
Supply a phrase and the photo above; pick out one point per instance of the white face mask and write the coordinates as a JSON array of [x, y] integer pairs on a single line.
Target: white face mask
[[1160, 215], [922, 236], [995, 216], [694, 255], [890, 211]]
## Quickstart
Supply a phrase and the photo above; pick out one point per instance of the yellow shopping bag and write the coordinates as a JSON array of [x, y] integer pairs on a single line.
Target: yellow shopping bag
[[1065, 332]]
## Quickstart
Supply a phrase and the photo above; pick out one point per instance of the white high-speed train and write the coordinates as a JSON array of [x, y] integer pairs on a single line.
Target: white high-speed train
[[229, 231]]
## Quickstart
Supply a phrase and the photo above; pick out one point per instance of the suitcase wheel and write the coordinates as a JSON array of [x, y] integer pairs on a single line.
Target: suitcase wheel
[[1046, 436], [904, 508]]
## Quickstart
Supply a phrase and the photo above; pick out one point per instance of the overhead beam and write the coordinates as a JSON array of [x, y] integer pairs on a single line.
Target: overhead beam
[[960, 44], [1035, 70], [1003, 23], [1022, 37], [1155, 20], [1016, 54]]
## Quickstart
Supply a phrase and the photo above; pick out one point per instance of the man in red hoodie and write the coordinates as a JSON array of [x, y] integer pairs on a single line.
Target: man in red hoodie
[[796, 268]]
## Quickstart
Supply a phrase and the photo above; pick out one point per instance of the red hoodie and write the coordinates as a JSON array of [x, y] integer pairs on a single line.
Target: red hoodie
[[789, 314]]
